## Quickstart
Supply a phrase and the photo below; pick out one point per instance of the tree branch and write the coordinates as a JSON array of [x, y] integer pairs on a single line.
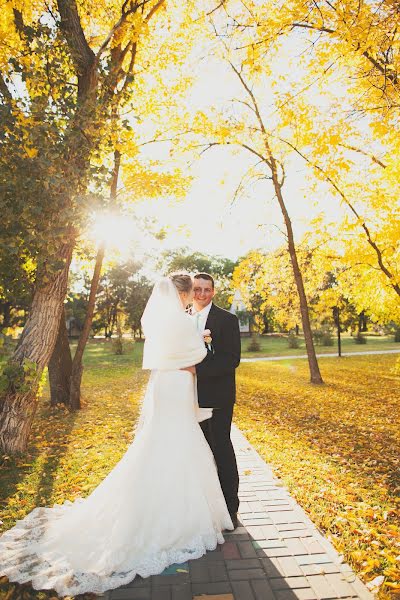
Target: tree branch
[[81, 53], [371, 156], [364, 226]]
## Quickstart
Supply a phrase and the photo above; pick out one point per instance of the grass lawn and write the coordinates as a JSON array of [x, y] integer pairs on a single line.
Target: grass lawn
[[278, 346], [336, 447]]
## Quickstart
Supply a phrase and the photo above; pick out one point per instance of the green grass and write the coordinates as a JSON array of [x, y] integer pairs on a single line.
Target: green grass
[[278, 346]]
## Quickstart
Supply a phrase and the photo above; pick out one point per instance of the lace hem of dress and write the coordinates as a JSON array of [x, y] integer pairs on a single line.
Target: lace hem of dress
[[20, 563]]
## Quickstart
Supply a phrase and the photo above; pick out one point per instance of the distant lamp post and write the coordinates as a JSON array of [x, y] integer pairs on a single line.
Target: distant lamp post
[[336, 317]]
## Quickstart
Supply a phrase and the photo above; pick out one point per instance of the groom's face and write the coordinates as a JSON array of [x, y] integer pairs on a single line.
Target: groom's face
[[203, 293]]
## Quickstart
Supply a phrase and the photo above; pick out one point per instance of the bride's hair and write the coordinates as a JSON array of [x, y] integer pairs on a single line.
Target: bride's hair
[[182, 281]]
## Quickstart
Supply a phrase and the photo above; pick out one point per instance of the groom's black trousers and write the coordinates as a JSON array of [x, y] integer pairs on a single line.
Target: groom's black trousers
[[217, 432]]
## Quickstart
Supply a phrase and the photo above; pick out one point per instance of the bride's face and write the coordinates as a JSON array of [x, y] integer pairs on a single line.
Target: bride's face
[[186, 298]]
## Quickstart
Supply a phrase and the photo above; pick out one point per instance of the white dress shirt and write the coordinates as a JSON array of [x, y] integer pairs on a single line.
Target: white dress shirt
[[201, 317]]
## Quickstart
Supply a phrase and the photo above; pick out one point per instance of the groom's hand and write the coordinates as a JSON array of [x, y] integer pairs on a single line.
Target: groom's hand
[[191, 370]]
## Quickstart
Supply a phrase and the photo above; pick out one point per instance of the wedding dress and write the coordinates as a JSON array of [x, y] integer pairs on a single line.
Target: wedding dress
[[161, 504]]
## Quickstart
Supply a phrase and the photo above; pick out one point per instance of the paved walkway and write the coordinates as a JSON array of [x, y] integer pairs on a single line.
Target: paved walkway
[[278, 554], [328, 354]]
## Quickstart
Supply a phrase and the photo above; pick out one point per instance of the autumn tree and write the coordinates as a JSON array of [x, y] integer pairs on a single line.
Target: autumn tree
[[66, 70]]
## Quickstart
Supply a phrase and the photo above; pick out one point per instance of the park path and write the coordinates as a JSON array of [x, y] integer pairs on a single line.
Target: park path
[[277, 553], [328, 354]]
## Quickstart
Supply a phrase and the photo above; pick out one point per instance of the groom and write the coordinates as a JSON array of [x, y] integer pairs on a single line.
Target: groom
[[216, 383]]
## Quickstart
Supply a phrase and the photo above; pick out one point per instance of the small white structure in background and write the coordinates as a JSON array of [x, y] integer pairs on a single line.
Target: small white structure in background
[[239, 306]]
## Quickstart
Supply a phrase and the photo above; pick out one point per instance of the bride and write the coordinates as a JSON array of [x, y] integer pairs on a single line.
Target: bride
[[161, 504]]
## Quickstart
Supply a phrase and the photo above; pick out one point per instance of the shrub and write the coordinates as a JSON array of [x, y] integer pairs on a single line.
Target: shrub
[[254, 345], [293, 341], [327, 339], [397, 335], [360, 339]]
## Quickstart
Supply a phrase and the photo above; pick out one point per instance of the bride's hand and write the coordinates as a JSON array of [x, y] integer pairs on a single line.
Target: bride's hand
[[191, 370]]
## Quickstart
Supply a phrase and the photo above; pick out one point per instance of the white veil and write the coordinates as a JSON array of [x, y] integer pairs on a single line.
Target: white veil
[[171, 338]]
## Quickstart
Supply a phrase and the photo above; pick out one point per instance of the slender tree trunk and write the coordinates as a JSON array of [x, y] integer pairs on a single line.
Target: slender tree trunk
[[24, 370], [77, 366], [305, 318], [60, 367]]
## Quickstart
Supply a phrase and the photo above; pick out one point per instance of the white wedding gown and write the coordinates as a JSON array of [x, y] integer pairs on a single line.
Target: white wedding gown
[[161, 504]]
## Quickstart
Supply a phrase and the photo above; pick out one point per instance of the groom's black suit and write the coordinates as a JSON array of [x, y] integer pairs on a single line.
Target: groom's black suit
[[217, 389]]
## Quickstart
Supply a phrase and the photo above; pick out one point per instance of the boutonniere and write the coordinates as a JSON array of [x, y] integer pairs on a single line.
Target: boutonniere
[[207, 336], [208, 340]]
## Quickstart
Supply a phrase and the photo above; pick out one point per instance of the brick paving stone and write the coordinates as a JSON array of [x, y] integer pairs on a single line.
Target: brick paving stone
[[269, 544], [256, 532], [289, 566], [285, 517], [139, 582], [271, 567], [321, 586], [262, 589], [230, 550], [296, 547], [313, 558], [271, 532], [279, 583], [217, 572], [219, 587], [131, 594], [320, 569], [215, 597], [273, 552], [161, 593], [243, 563], [242, 590], [313, 546], [298, 533], [289, 525], [256, 506], [198, 571], [170, 579], [340, 585], [246, 574], [361, 590], [255, 520], [247, 550], [214, 555], [277, 505], [299, 594], [181, 592]]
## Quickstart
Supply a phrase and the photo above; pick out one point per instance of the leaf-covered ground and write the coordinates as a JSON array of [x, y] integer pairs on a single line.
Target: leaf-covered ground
[[337, 448]]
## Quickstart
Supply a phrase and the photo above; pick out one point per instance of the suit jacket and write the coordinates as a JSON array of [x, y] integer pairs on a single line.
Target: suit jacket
[[216, 373]]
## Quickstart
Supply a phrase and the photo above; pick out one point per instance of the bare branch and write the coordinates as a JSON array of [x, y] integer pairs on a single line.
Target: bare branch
[[371, 156]]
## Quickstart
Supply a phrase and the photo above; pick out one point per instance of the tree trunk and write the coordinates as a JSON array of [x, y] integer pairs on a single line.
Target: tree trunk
[[24, 370], [305, 318], [60, 367], [77, 366]]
